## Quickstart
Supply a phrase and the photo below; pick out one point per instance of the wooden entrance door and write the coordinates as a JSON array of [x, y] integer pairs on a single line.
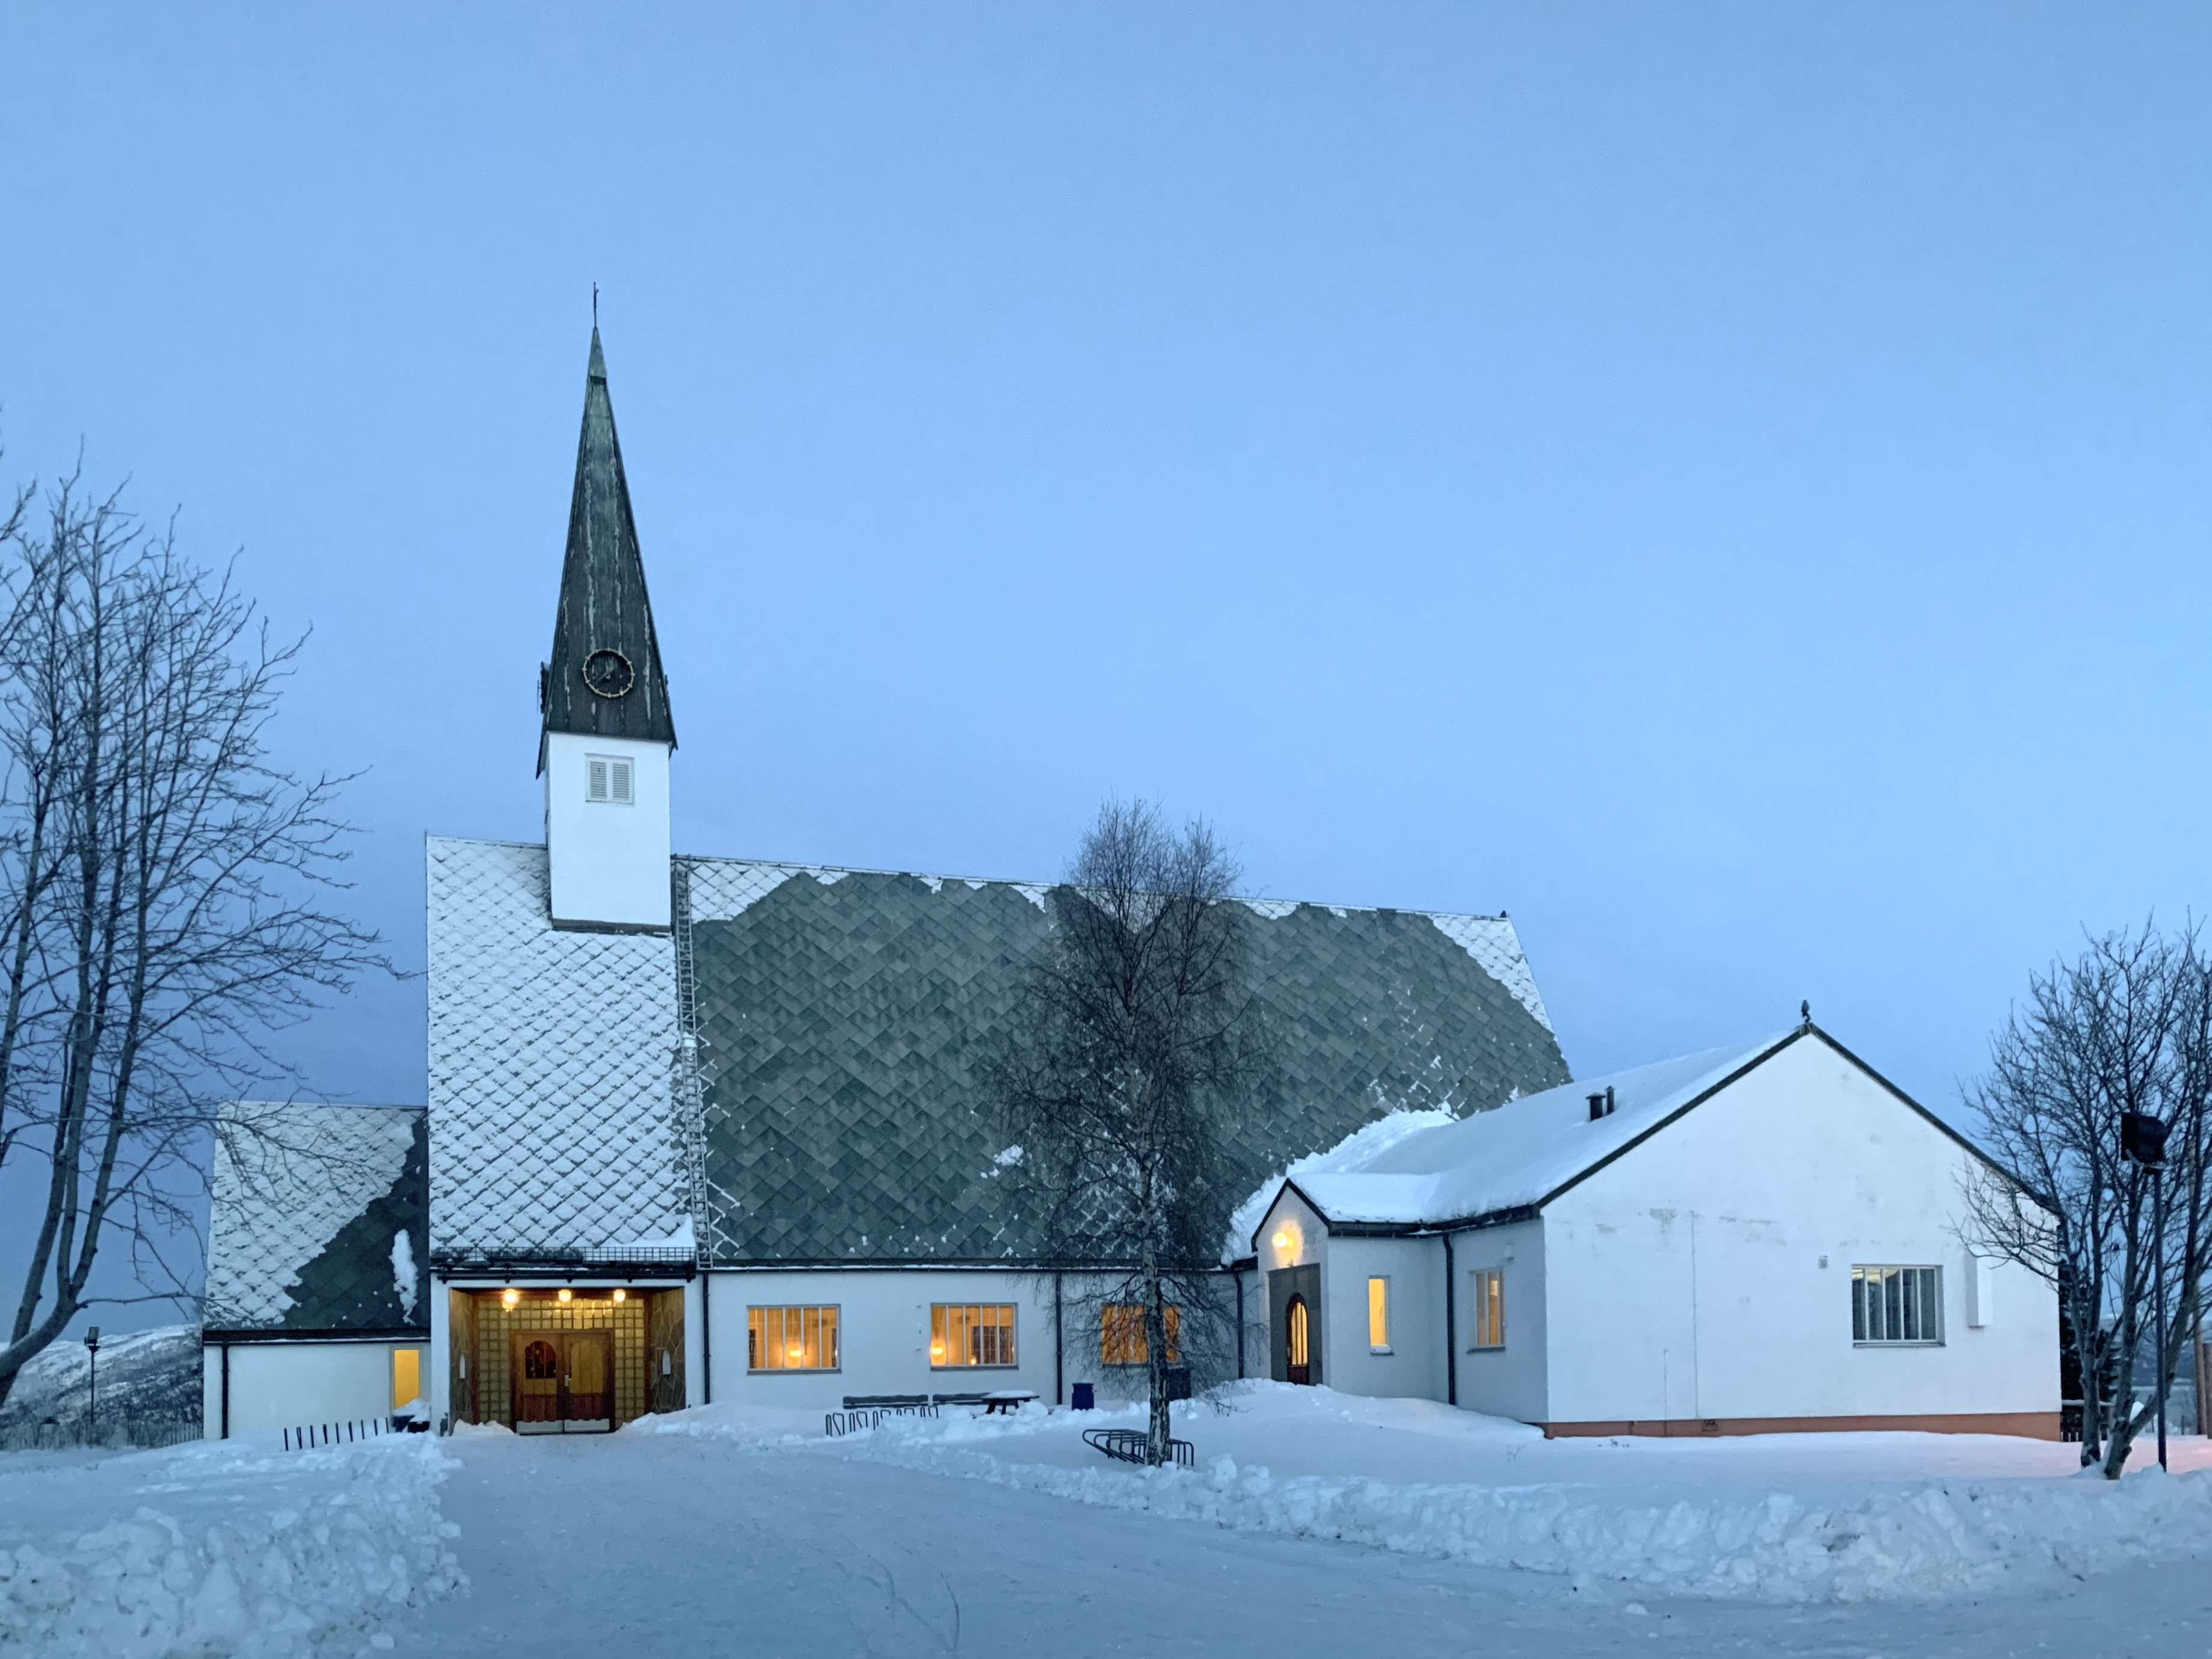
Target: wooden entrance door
[[563, 1382]]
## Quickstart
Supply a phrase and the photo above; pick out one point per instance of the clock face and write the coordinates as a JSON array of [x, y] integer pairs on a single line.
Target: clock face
[[608, 673]]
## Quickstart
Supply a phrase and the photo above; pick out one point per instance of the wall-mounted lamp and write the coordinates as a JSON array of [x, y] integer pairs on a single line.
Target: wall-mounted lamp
[[509, 1297], [565, 1294]]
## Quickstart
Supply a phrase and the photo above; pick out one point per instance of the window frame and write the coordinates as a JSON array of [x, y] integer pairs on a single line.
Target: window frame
[[1488, 1293], [939, 1333], [836, 1310], [620, 769], [1924, 1277], [1378, 1316], [1110, 1327]]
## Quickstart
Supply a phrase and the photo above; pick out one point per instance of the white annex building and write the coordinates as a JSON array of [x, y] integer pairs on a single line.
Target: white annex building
[[1756, 1239], [704, 1129]]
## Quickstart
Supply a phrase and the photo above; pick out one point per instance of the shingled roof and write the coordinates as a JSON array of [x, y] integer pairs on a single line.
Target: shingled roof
[[840, 1016], [320, 1220], [604, 606]]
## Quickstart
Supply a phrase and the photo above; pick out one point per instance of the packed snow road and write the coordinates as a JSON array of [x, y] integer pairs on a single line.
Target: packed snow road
[[697, 1545]]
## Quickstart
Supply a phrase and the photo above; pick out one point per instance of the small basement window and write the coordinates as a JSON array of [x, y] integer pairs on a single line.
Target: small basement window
[[971, 1334], [1378, 1316], [1897, 1307], [608, 779], [1121, 1333], [791, 1339], [1486, 1294]]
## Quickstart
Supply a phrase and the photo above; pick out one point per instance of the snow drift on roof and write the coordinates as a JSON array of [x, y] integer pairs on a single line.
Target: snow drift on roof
[[1513, 1155]]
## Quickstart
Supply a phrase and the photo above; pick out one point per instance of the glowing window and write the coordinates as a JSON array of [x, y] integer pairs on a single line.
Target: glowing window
[[1378, 1316], [406, 1377], [1487, 1295], [1122, 1339], [791, 1339], [971, 1334]]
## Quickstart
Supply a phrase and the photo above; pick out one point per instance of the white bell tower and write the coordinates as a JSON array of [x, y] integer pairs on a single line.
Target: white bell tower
[[608, 734]]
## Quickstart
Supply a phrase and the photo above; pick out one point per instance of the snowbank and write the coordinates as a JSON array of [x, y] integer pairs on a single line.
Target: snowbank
[[240, 1551], [1700, 1524]]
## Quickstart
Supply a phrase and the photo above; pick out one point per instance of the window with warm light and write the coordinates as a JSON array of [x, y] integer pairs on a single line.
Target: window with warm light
[[406, 1377], [1486, 1304], [1378, 1316], [1121, 1340], [791, 1339], [971, 1334]]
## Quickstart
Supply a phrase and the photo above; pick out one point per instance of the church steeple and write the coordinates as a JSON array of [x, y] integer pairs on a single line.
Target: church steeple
[[604, 746], [604, 678]]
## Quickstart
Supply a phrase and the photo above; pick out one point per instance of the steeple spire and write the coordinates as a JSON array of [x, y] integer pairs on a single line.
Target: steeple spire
[[604, 678]]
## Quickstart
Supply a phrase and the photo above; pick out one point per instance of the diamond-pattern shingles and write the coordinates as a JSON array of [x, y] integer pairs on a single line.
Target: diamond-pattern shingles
[[551, 1056], [843, 1016], [290, 1178]]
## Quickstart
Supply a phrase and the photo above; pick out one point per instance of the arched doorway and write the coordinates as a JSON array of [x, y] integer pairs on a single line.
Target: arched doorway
[[1296, 1342]]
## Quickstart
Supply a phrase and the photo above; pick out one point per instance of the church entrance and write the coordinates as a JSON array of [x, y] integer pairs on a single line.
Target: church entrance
[[563, 1382], [567, 1359]]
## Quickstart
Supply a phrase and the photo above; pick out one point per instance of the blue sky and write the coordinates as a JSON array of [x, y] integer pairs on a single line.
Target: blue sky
[[1728, 484]]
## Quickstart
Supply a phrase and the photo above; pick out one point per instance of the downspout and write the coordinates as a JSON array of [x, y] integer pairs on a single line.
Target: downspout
[[1451, 1328], [1239, 1271], [1059, 1346], [226, 1392], [706, 1337]]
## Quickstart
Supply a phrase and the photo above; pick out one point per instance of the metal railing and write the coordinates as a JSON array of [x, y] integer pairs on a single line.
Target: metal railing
[[125, 1434], [1133, 1445], [316, 1435], [857, 1417]]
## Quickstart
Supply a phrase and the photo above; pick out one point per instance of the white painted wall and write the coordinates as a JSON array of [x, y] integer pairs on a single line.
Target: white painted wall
[[1414, 1367], [883, 1332], [609, 862], [1686, 1277], [1512, 1381], [292, 1384]]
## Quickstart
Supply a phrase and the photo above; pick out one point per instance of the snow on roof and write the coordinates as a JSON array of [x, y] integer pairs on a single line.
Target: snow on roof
[[1512, 1156], [290, 1178], [551, 1060]]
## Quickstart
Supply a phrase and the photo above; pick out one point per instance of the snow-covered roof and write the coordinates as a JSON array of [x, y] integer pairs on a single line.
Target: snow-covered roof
[[1513, 1156], [319, 1218], [552, 1053]]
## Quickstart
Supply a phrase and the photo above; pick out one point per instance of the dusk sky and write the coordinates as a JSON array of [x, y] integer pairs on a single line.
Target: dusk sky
[[1728, 485]]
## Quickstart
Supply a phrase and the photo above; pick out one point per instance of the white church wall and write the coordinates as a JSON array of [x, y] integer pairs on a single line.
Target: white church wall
[[884, 1335], [1705, 1275], [610, 858], [1411, 1364], [1512, 1380], [294, 1384]]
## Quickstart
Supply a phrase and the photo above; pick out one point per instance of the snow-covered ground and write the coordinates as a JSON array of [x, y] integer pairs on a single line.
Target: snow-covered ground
[[1791, 1518], [220, 1547], [1384, 1526]]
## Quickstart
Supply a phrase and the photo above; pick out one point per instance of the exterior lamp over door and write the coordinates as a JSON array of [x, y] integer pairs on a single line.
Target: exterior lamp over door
[[2142, 1138]]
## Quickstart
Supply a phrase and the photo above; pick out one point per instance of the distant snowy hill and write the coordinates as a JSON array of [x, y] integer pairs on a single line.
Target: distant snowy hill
[[149, 1376]]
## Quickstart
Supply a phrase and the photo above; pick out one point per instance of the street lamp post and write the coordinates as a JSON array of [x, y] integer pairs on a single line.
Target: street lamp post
[[2142, 1138], [92, 1411]]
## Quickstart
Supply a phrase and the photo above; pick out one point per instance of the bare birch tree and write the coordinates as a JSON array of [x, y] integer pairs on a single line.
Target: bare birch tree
[[165, 888], [2125, 1027], [1137, 1049]]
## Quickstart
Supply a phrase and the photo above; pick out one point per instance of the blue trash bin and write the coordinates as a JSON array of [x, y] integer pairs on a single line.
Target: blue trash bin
[[1083, 1398]]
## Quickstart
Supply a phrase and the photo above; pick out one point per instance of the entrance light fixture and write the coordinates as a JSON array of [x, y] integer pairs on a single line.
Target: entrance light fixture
[[566, 1293], [621, 1295], [509, 1297]]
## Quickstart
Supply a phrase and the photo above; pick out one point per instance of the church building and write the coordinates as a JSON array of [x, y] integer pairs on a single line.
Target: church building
[[710, 1128]]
